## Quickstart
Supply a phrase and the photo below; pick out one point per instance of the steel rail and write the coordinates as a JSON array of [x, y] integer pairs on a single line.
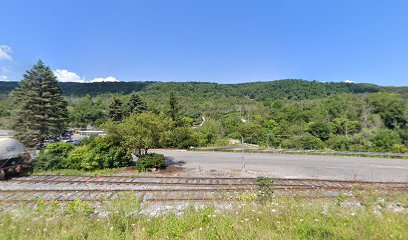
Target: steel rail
[[189, 184], [221, 178], [59, 198], [285, 188]]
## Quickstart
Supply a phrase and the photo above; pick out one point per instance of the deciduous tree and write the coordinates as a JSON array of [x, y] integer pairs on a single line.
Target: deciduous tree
[[140, 132]]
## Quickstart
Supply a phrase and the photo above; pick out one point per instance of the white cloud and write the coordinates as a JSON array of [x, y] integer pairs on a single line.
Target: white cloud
[[4, 79], [349, 81], [108, 79], [67, 76], [5, 52]]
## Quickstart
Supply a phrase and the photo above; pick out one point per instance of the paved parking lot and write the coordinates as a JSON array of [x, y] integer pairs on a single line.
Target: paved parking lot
[[293, 166]]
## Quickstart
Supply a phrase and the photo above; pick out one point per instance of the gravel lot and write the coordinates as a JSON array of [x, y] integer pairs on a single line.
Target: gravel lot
[[289, 166]]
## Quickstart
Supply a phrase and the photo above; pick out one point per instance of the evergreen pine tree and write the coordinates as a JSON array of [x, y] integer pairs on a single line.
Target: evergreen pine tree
[[136, 104], [41, 110], [115, 112], [174, 108]]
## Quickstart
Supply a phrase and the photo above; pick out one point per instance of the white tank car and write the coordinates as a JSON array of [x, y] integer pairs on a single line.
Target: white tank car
[[10, 148], [12, 156]]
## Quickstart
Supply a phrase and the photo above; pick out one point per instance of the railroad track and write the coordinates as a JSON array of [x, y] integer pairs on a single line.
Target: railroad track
[[171, 188]]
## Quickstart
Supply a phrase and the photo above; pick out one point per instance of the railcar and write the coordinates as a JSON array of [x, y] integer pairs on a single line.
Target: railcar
[[14, 160]]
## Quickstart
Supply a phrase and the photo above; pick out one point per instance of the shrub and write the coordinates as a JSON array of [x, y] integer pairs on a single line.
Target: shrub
[[101, 153], [399, 148], [182, 138], [251, 133], [149, 161], [76, 156], [221, 142], [310, 143], [265, 187], [54, 156], [320, 130], [384, 140], [307, 142], [340, 143]]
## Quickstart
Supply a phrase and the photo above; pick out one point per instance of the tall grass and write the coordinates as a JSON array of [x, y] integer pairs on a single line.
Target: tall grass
[[280, 218], [100, 172]]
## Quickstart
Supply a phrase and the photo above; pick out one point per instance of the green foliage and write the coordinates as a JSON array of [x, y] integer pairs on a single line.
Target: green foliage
[[399, 148], [87, 111], [281, 114], [306, 142], [209, 133], [79, 172], [404, 134], [252, 133], [54, 156], [265, 188], [115, 112], [289, 88], [340, 143], [309, 142], [101, 153], [385, 141], [182, 137], [173, 108], [270, 125], [344, 126], [320, 130], [282, 218], [41, 112], [77, 155], [148, 161], [230, 123], [4, 108], [141, 131], [135, 105], [247, 197], [392, 109]]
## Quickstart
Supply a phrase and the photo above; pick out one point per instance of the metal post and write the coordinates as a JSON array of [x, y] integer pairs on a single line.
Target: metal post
[[242, 154]]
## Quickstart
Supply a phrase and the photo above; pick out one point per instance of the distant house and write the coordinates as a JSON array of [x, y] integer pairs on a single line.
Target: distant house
[[91, 133], [80, 134]]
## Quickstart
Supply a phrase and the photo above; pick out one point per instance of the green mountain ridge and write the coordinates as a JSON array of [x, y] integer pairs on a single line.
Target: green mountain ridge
[[278, 89]]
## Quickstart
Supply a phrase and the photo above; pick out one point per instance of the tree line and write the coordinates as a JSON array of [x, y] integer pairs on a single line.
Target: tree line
[[289, 88], [292, 114]]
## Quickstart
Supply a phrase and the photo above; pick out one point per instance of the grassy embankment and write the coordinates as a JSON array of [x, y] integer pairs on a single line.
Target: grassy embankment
[[75, 172], [279, 218]]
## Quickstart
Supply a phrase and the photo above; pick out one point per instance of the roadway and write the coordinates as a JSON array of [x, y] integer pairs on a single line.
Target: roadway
[[292, 166]]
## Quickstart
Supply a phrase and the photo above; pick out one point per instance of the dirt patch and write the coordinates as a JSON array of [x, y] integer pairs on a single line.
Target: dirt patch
[[171, 170], [129, 170]]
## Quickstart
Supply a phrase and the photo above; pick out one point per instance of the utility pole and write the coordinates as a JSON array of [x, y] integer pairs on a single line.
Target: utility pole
[[242, 154]]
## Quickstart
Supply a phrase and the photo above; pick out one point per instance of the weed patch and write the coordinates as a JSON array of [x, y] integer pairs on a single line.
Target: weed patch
[[280, 218], [265, 188]]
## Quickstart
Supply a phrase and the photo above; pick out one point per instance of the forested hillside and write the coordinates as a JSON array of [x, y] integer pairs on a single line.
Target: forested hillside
[[292, 114], [82, 89], [289, 89]]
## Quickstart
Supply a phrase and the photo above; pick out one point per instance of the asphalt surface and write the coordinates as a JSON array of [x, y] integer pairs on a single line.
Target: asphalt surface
[[292, 166]]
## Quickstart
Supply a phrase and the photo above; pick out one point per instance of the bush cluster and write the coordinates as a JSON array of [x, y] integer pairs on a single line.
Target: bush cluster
[[149, 161], [98, 153], [54, 156]]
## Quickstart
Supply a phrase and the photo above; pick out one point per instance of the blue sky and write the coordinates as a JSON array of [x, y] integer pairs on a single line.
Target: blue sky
[[224, 41]]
